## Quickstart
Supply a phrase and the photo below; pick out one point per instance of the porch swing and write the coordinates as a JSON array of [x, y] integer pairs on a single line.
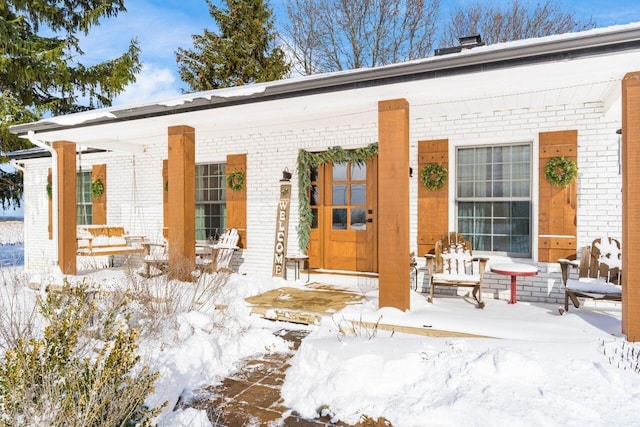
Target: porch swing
[[102, 240]]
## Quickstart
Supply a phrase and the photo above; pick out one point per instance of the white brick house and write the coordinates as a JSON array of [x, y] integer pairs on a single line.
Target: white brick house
[[490, 99]]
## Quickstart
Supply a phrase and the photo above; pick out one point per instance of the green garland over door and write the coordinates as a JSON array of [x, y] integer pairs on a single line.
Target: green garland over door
[[308, 160]]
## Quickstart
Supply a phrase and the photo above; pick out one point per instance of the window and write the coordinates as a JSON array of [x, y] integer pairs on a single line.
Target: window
[[493, 198], [349, 196], [211, 210], [84, 199]]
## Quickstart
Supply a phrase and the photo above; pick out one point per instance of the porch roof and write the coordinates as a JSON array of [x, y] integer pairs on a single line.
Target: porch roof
[[502, 76]]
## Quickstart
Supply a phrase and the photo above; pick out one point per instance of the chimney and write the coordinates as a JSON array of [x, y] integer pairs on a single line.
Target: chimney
[[466, 43]]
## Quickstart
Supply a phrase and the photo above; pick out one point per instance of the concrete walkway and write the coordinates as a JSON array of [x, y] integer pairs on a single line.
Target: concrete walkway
[[251, 397]]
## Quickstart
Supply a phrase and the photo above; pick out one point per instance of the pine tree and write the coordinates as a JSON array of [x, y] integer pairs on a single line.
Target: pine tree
[[40, 72], [243, 52]]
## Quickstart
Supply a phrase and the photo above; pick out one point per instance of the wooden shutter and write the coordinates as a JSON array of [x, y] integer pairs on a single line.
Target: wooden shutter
[[433, 205], [165, 198], [237, 200], [99, 204], [50, 205], [557, 205]]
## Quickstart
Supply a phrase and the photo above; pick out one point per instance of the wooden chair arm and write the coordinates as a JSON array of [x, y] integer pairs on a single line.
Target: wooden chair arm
[[482, 265], [564, 265], [147, 246], [430, 258], [88, 239]]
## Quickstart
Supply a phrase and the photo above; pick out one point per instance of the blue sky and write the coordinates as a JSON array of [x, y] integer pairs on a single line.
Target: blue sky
[[162, 26]]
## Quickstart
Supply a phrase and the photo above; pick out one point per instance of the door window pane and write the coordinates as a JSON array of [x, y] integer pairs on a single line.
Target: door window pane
[[359, 172], [339, 194], [313, 200], [339, 219], [358, 219], [358, 194], [339, 171]]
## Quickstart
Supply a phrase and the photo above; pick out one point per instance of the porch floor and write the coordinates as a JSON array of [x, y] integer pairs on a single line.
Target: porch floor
[[309, 304]]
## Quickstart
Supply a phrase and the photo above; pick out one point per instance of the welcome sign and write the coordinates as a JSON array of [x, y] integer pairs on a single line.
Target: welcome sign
[[282, 230]]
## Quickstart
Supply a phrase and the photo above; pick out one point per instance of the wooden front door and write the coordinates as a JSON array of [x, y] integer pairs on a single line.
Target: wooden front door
[[349, 225]]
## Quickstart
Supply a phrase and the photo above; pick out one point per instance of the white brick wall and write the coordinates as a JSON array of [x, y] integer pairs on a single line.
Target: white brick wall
[[599, 181], [38, 247], [270, 149]]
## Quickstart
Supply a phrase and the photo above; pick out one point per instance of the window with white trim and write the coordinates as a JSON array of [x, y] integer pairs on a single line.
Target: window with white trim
[[493, 198], [211, 208], [84, 198]]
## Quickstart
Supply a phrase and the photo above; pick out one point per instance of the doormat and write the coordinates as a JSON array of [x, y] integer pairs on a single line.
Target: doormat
[[306, 306]]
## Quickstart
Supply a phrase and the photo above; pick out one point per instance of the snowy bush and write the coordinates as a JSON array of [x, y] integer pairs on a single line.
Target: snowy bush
[[84, 371], [156, 303], [19, 316]]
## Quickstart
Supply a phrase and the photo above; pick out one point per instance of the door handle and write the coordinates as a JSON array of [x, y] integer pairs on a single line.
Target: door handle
[[369, 219]]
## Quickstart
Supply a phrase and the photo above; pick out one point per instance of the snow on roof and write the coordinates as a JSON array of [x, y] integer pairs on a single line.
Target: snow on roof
[[230, 92], [78, 118]]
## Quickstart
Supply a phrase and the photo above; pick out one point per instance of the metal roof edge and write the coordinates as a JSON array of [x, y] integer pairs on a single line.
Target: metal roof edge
[[29, 153], [41, 153]]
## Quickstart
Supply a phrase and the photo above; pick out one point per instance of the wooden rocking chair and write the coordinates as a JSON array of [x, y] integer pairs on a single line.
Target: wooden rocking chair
[[599, 273], [453, 264], [221, 253], [156, 258]]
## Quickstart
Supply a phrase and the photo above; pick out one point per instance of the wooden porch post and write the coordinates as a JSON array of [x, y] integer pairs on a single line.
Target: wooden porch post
[[181, 200], [631, 206], [67, 221], [393, 203]]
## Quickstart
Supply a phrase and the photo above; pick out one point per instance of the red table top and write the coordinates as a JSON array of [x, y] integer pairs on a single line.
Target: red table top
[[515, 269]]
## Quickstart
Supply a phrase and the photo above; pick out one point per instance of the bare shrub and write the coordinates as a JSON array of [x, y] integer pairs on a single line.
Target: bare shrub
[[159, 300], [623, 355], [358, 328], [18, 310]]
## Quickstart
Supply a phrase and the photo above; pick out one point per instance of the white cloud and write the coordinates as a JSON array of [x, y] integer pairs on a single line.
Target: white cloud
[[160, 29], [153, 83]]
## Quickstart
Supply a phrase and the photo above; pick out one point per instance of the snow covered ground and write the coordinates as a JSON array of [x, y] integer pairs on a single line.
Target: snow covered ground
[[11, 232], [538, 368]]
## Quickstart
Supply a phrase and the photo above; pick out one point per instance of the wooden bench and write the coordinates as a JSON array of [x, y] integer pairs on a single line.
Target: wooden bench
[[105, 240]]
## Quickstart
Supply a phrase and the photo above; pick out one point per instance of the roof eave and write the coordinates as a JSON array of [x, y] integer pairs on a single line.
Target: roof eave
[[289, 87]]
